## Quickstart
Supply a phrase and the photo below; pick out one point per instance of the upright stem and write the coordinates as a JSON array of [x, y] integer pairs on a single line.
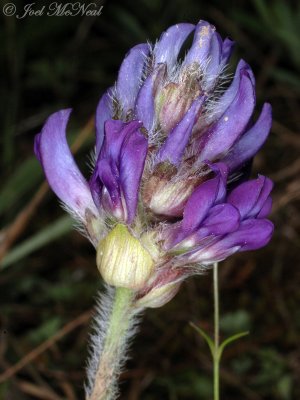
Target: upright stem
[[113, 353], [216, 357]]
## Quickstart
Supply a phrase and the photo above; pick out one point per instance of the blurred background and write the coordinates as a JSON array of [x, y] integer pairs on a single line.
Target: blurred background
[[48, 279]]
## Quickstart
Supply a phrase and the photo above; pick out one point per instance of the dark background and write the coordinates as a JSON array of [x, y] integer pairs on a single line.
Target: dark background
[[48, 279]]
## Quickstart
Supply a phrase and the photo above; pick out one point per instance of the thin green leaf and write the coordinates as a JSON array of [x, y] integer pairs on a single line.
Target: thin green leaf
[[229, 340], [205, 336], [57, 229]]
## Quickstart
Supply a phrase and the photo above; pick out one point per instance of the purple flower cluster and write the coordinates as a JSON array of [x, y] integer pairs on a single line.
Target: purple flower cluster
[[216, 224], [172, 135]]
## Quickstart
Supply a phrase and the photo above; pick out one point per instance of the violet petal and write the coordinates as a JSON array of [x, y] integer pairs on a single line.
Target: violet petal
[[199, 203], [172, 235], [251, 235], [221, 219], [199, 50], [175, 144], [103, 113], [266, 209], [105, 188], [168, 47], [119, 168], [245, 196], [249, 197], [231, 125], [249, 144], [109, 177], [115, 133], [144, 107], [221, 170], [132, 160], [214, 65], [59, 166], [227, 48], [130, 75], [229, 95], [264, 195]]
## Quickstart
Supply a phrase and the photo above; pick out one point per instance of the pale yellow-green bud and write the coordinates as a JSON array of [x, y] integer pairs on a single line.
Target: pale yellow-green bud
[[158, 296], [123, 261]]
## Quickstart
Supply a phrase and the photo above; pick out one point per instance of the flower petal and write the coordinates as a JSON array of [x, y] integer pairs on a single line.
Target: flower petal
[[264, 197], [144, 107], [231, 125], [227, 48], [132, 160], [221, 170], [116, 179], [175, 144], [115, 133], [214, 65], [221, 219], [199, 204], [109, 178], [250, 197], [105, 181], [232, 91], [60, 168], [266, 209], [130, 75], [103, 113], [252, 234], [199, 51], [249, 144], [245, 196], [168, 47]]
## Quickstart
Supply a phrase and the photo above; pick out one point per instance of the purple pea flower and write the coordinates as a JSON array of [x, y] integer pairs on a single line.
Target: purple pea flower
[[214, 225], [114, 185], [169, 137]]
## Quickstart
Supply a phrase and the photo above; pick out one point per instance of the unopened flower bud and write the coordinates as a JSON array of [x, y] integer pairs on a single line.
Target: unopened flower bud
[[158, 296], [122, 260]]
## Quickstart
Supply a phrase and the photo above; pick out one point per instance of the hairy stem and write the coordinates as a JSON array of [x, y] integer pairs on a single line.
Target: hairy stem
[[112, 355], [216, 358]]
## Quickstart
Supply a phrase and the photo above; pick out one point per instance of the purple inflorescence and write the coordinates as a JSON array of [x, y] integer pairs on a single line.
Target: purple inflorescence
[[173, 137]]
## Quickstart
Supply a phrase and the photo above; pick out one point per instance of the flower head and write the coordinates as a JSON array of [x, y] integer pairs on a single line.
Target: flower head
[[169, 138]]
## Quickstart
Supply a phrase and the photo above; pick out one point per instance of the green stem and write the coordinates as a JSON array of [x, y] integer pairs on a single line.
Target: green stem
[[112, 355], [216, 357], [214, 345]]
